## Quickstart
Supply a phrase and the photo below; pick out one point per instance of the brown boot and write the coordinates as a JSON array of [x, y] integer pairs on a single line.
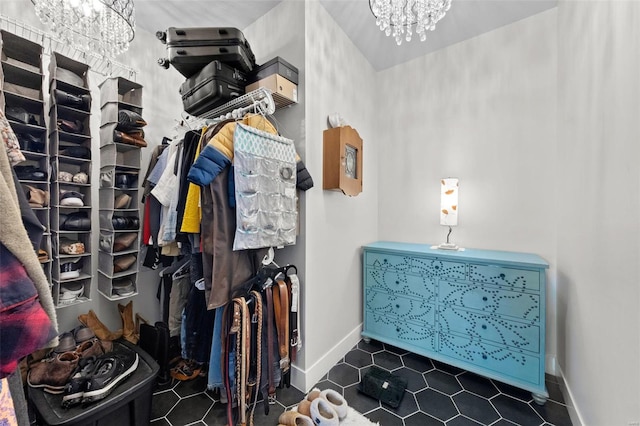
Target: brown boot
[[100, 330], [129, 331]]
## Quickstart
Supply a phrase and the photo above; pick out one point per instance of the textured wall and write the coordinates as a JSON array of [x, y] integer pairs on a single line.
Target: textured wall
[[598, 213]]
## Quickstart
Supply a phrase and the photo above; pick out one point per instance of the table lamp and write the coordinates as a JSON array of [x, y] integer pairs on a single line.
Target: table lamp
[[448, 208]]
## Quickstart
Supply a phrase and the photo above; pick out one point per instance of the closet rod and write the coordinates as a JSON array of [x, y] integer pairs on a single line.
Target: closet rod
[[97, 63], [259, 100]]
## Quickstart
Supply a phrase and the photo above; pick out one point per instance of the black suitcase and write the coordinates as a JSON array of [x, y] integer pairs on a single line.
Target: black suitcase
[[190, 49], [211, 87]]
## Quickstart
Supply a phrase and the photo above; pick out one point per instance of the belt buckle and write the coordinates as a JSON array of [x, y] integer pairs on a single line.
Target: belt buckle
[[272, 399]]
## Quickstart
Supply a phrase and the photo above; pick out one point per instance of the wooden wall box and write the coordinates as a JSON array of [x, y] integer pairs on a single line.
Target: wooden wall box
[[342, 160]]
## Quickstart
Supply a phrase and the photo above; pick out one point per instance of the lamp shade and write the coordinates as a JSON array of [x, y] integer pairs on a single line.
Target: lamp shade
[[449, 201]]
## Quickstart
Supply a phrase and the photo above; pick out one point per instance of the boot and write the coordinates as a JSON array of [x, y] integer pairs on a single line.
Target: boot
[[76, 101], [134, 140], [100, 330], [129, 331]]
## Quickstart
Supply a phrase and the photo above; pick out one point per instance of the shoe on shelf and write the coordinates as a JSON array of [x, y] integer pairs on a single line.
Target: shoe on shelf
[[70, 292], [129, 120], [122, 201], [129, 139], [82, 102], [122, 263], [70, 269], [110, 370]]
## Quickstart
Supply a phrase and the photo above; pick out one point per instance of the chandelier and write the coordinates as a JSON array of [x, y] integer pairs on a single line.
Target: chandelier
[[397, 17], [105, 27]]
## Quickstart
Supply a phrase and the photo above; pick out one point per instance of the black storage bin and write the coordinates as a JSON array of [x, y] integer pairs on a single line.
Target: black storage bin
[[275, 66], [128, 404]]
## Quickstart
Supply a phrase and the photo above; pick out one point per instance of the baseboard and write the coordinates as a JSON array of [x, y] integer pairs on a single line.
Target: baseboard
[[305, 379], [551, 367], [574, 413]]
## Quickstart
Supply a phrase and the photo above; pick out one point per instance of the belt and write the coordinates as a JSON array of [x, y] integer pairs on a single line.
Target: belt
[[281, 311], [294, 319], [270, 342], [243, 342], [257, 300]]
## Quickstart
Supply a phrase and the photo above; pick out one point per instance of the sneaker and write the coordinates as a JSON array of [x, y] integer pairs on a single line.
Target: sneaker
[[51, 374], [109, 371], [74, 389]]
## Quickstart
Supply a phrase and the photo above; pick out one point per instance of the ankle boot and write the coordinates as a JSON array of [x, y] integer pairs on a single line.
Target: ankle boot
[[76, 101], [129, 332], [99, 329]]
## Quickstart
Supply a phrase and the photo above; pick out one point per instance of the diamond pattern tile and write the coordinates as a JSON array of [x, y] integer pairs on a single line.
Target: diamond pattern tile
[[437, 395]]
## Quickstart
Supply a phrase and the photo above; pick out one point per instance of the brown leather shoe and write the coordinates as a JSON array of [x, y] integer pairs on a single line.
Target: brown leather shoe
[[123, 242], [123, 263], [122, 137]]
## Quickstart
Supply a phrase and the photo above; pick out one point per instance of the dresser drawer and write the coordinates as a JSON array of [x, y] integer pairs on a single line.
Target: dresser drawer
[[503, 361], [430, 266], [391, 329], [514, 278], [490, 328], [402, 308], [397, 282], [490, 299]]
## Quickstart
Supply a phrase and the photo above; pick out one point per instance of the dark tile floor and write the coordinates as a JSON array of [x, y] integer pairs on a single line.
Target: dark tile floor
[[437, 394]]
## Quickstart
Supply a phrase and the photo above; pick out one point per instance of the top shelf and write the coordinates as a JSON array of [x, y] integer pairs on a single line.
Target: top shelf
[[259, 100]]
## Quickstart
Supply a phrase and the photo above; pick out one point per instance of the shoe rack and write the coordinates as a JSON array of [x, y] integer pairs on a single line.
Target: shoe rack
[[21, 81], [71, 203], [120, 220]]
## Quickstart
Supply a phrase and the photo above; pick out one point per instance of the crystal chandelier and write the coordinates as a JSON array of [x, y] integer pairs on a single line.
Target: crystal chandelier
[[105, 27], [397, 17]]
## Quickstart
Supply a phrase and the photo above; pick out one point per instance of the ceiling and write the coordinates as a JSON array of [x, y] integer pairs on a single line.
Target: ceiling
[[465, 19]]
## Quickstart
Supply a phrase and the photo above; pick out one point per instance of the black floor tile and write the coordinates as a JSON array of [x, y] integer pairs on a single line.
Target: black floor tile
[[417, 362], [421, 419], [436, 404], [443, 382], [516, 411], [415, 380], [344, 375], [462, 421], [387, 360], [553, 413], [475, 407], [477, 384], [359, 401], [358, 358], [437, 395], [384, 417]]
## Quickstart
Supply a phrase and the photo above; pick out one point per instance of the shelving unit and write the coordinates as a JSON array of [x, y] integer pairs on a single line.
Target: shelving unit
[[70, 150], [21, 80], [119, 177]]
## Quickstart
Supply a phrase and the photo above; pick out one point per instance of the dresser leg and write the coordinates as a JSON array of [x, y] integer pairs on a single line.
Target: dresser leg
[[539, 399], [366, 340]]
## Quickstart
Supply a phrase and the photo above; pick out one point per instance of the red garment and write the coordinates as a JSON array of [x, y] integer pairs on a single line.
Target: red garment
[[146, 224]]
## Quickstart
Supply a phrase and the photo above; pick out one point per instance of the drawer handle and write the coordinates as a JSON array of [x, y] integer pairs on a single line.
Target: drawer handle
[[397, 329], [397, 282], [502, 276], [485, 298], [484, 326], [384, 260], [397, 306], [484, 356]]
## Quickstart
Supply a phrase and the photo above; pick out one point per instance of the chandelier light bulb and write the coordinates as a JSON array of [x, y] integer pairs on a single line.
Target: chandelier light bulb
[[402, 15]]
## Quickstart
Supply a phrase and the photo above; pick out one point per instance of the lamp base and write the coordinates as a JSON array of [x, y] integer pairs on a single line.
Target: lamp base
[[448, 246]]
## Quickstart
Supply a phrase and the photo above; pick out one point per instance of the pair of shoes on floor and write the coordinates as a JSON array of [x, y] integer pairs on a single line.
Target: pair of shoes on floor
[[185, 369], [95, 377], [320, 408]]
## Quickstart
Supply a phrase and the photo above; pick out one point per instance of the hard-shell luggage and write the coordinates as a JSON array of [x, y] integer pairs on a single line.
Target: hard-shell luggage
[[211, 87], [190, 49]]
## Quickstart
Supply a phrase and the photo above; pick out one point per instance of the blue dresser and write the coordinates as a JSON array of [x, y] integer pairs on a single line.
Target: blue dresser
[[480, 310]]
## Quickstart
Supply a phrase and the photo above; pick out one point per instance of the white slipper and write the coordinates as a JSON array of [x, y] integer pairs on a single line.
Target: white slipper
[[323, 414], [337, 401]]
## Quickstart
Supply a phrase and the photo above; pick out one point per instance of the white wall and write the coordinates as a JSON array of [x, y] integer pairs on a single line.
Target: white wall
[[162, 106], [483, 110], [599, 208], [338, 79]]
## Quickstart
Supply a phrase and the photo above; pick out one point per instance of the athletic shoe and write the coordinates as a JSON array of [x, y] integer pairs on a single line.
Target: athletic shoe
[[74, 389], [109, 371]]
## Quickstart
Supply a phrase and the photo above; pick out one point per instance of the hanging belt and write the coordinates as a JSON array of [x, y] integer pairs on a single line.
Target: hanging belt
[[296, 336], [270, 342], [243, 342], [257, 300], [226, 344], [281, 311]]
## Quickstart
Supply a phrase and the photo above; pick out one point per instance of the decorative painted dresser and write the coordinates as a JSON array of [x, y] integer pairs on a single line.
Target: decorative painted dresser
[[480, 310]]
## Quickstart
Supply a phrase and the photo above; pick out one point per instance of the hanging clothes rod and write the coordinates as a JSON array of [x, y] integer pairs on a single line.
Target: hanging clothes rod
[[259, 101], [97, 63]]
